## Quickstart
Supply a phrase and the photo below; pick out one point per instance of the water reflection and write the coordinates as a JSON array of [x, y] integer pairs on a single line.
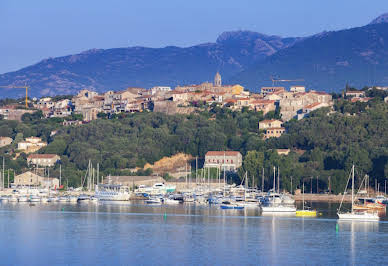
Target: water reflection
[[130, 233]]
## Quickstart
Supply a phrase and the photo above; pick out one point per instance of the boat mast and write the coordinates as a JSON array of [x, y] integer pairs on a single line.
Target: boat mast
[[262, 181], [278, 181], [303, 196], [224, 174], [274, 179], [352, 186]]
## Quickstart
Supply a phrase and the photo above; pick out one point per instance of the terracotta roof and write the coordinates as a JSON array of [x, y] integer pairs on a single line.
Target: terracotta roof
[[41, 156], [312, 105], [320, 92], [221, 153], [274, 88], [270, 121], [243, 99], [263, 102]]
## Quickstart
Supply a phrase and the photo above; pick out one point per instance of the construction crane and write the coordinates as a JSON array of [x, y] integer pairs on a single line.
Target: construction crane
[[283, 80], [21, 87]]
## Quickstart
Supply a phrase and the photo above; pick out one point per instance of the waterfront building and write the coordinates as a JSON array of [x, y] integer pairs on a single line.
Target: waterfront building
[[45, 160], [131, 181], [29, 179], [4, 141], [226, 160]]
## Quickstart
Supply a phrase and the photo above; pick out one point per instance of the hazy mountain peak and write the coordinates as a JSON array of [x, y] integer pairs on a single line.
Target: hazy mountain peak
[[240, 35], [380, 19]]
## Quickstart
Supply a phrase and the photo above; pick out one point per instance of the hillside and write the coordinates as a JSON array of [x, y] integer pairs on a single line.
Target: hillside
[[356, 132], [118, 68], [328, 61]]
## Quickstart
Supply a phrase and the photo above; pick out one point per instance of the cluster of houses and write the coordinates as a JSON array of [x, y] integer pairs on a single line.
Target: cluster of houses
[[293, 103]]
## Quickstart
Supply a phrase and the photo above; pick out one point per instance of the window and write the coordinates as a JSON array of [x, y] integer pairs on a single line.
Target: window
[[231, 161]]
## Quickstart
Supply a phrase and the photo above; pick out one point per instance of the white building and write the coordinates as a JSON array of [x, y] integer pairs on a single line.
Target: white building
[[228, 160], [160, 89]]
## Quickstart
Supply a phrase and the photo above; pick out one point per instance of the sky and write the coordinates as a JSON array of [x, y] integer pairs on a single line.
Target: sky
[[31, 31]]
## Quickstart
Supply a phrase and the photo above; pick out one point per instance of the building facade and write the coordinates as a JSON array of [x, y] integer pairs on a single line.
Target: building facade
[[4, 141], [45, 160], [225, 160], [270, 124], [29, 179]]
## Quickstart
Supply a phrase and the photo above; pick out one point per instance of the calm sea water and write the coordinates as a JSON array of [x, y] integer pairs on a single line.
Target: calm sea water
[[136, 234]]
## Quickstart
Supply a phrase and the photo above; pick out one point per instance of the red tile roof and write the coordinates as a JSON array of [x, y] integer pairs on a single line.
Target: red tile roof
[[41, 156], [221, 153]]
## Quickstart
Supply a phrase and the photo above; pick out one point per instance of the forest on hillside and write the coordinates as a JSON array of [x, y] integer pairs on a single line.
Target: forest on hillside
[[323, 145]]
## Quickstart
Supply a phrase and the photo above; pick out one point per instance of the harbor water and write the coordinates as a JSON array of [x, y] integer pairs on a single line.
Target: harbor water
[[137, 234]]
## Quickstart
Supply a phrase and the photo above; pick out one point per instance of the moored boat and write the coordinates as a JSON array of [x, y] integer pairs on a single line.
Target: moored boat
[[356, 215]]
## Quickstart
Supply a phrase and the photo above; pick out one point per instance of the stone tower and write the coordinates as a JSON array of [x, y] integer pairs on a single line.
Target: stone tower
[[217, 80]]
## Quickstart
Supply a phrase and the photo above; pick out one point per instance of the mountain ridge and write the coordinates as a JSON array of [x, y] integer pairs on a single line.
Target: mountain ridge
[[117, 68]]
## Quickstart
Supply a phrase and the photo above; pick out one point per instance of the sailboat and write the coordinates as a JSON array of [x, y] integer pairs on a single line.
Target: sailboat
[[356, 215], [305, 212]]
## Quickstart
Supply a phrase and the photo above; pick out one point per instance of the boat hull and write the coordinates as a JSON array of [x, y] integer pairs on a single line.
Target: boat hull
[[278, 209], [306, 213], [362, 216]]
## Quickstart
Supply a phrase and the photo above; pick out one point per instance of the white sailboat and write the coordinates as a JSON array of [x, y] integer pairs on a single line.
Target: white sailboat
[[356, 215]]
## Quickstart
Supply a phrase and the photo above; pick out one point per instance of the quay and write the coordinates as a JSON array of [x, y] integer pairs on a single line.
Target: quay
[[323, 198]]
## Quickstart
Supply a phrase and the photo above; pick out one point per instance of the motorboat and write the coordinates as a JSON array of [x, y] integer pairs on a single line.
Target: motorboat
[[227, 205], [278, 208], [44, 200], [171, 201], [188, 198], [154, 201], [73, 199], [83, 197], [22, 199], [13, 199], [33, 199], [63, 199], [4, 199], [108, 192], [287, 199]]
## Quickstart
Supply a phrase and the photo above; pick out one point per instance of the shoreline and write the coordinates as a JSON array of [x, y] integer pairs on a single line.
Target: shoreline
[[323, 198]]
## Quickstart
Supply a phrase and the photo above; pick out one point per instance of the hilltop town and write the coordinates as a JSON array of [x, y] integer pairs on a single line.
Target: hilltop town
[[253, 119]]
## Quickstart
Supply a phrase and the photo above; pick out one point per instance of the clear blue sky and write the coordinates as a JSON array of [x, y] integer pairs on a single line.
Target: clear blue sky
[[32, 30]]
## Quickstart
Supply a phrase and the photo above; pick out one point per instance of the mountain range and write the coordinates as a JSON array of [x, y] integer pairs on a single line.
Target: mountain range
[[326, 61]]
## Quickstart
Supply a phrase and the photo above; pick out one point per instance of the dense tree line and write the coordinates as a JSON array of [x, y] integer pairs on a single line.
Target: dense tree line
[[323, 145]]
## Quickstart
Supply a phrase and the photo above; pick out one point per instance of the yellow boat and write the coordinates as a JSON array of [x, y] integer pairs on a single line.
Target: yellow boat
[[305, 213], [309, 213]]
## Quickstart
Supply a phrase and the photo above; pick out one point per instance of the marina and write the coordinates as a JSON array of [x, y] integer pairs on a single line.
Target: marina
[[120, 232]]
